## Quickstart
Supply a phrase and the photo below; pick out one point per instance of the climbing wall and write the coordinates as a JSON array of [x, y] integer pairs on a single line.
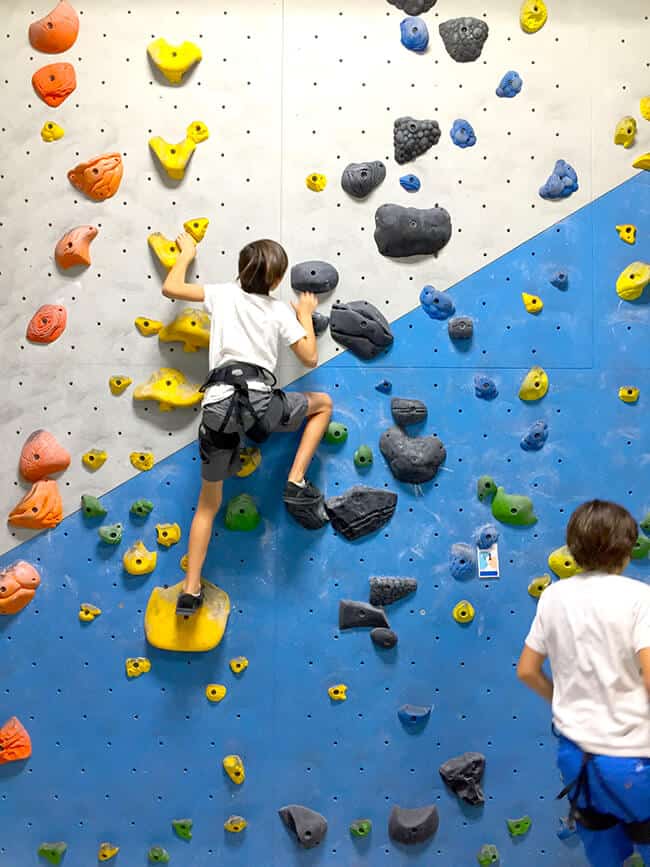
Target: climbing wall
[[116, 759]]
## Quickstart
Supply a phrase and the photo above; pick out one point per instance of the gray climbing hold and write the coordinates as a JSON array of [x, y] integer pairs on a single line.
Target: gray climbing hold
[[314, 276], [462, 561], [385, 591], [320, 322], [360, 179], [461, 328], [361, 328], [402, 232], [413, 716], [412, 138], [407, 411], [360, 614], [361, 510], [463, 775], [308, 826], [383, 637], [464, 38], [413, 826], [413, 7], [412, 459]]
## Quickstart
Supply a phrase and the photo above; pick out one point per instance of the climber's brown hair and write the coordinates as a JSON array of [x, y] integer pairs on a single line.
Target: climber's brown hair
[[262, 265], [601, 535]]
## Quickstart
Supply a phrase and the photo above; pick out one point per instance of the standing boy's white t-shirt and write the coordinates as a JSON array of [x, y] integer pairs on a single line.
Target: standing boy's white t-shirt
[[592, 627], [246, 328]]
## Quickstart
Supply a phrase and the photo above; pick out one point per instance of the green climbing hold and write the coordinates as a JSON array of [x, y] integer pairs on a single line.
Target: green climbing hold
[[141, 508], [361, 828], [336, 433], [634, 861], [519, 827], [52, 852], [486, 488], [158, 855], [183, 828], [513, 509], [363, 457], [488, 854], [91, 507], [645, 523], [111, 534], [641, 547], [242, 513]]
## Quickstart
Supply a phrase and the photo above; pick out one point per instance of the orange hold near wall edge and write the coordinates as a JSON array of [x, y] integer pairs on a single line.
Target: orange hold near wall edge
[[15, 742], [18, 585], [41, 456], [40, 508]]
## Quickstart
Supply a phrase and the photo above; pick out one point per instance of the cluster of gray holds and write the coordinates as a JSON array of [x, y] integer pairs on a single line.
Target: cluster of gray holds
[[464, 38], [361, 328], [402, 232], [412, 138], [371, 615], [413, 7], [360, 179], [414, 460]]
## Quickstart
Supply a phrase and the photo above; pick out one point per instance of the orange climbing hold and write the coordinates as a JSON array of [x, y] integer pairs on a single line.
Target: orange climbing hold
[[18, 584], [41, 456], [15, 743], [74, 247], [47, 324], [99, 178], [55, 82], [56, 31], [40, 508]]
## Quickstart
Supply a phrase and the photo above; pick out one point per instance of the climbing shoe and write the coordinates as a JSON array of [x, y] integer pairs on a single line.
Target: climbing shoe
[[189, 604], [306, 504]]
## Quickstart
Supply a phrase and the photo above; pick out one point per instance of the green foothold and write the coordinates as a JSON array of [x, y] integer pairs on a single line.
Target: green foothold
[[142, 508], [363, 457], [519, 827], [486, 488], [641, 547], [513, 509], [158, 855], [361, 828], [111, 534], [634, 861], [91, 507], [489, 854], [645, 523], [52, 852], [242, 513], [183, 828], [336, 434]]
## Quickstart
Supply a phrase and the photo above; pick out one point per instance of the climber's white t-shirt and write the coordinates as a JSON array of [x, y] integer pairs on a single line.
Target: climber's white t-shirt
[[248, 328], [592, 627]]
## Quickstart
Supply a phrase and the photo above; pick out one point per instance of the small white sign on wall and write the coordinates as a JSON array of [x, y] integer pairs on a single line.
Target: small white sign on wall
[[488, 562]]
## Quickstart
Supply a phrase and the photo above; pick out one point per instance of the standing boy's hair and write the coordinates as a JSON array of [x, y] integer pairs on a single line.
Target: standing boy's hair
[[601, 535], [261, 266]]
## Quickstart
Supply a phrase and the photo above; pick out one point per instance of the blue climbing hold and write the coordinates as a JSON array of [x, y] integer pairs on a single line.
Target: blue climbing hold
[[510, 85], [410, 183], [462, 134], [484, 387], [486, 536], [415, 34], [436, 304], [560, 280], [536, 437], [385, 387], [562, 183], [567, 828], [411, 715], [462, 560]]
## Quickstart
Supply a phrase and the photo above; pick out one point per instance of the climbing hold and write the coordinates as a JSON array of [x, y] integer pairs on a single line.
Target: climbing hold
[[74, 247], [242, 514], [641, 547], [436, 304], [320, 322], [462, 134], [51, 131], [119, 384], [538, 585], [519, 827], [414, 34], [383, 637], [413, 716], [462, 561], [40, 508], [484, 387], [412, 459], [536, 437], [488, 854], [54, 83], [174, 157], [158, 855], [94, 459], [52, 852], [486, 536], [191, 328], [316, 182], [385, 591], [165, 249], [98, 178], [412, 138], [47, 324], [251, 458], [168, 534], [88, 612], [360, 614], [18, 585], [138, 561], [560, 280], [170, 388], [407, 411], [510, 85], [384, 387], [413, 826], [513, 509], [173, 61], [215, 692], [360, 510], [464, 38], [562, 562], [235, 824], [413, 7], [532, 303], [463, 775], [645, 523], [55, 32], [463, 612], [136, 666], [234, 767], [107, 851], [360, 827], [201, 632], [533, 15], [410, 183], [534, 385], [360, 179], [148, 327], [361, 328], [642, 162], [625, 132], [627, 233], [314, 276], [336, 433], [339, 692], [197, 227], [629, 394], [141, 508], [91, 507], [238, 665], [111, 534], [363, 458], [561, 183], [644, 107], [308, 826], [486, 488], [183, 828], [42, 456], [461, 328], [15, 743], [633, 280]]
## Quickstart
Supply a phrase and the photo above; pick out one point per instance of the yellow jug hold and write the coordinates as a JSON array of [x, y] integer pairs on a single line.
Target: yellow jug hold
[[532, 303], [88, 612], [533, 16], [632, 281], [51, 131], [338, 692], [535, 384], [215, 692], [234, 767], [147, 326], [538, 585], [316, 182], [138, 561], [173, 61], [94, 459], [625, 132], [135, 666], [628, 393], [197, 227], [142, 460], [463, 612], [562, 562], [168, 534], [191, 328]]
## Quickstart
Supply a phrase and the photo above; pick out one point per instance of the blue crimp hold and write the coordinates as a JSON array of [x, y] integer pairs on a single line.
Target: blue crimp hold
[[536, 437], [436, 304], [511, 85], [486, 536], [567, 828], [484, 387], [560, 280], [462, 134], [385, 387], [462, 560], [415, 34], [412, 715], [410, 183], [562, 183]]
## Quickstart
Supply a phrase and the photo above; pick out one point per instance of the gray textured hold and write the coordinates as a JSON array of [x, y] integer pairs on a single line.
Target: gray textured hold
[[320, 322], [413, 7], [308, 826], [412, 138], [361, 510], [360, 179], [412, 459], [314, 276], [383, 637], [463, 775], [461, 328], [413, 826], [385, 591], [464, 38], [360, 614], [407, 411], [401, 232], [361, 328]]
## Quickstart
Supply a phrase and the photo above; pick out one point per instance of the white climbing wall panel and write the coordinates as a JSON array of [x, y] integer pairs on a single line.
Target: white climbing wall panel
[[286, 88]]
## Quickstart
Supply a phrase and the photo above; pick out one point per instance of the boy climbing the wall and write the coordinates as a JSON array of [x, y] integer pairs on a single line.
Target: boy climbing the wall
[[595, 630], [248, 327]]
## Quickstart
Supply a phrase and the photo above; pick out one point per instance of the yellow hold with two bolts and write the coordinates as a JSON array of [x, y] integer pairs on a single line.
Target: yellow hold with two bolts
[[166, 249], [88, 612], [175, 157]]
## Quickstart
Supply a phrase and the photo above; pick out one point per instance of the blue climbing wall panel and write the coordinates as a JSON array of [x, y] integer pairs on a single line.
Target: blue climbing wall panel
[[117, 760]]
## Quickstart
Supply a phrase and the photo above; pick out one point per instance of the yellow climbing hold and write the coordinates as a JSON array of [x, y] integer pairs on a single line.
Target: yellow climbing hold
[[533, 16], [562, 562], [535, 384], [191, 328], [234, 767], [138, 561], [644, 107], [166, 250], [633, 280], [168, 534], [532, 303], [88, 612], [197, 228], [147, 327], [338, 692], [538, 585], [235, 824], [135, 666], [173, 61], [251, 458], [107, 851], [174, 157], [316, 182], [628, 394], [627, 233], [463, 612], [52, 131], [238, 664], [119, 384], [170, 388], [184, 561], [94, 459], [215, 692], [203, 631], [142, 460], [642, 162], [625, 132]]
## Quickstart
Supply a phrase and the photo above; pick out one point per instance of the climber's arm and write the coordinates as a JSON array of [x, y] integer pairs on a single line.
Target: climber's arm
[[175, 285]]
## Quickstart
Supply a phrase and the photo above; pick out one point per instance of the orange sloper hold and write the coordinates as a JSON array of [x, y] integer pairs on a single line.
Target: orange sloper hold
[[99, 178], [74, 247], [57, 31], [15, 743], [55, 82], [18, 585], [47, 324], [40, 508], [41, 456]]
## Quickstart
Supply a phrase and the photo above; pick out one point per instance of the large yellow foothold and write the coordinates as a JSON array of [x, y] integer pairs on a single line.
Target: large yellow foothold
[[148, 327], [215, 692], [532, 303], [533, 16], [627, 233], [168, 534], [135, 666], [107, 851], [138, 561], [238, 665], [196, 634], [234, 767], [142, 460], [165, 250], [119, 384], [94, 459], [197, 227], [251, 458], [633, 280], [625, 132], [535, 384], [235, 824], [628, 393], [52, 131], [644, 107], [463, 612], [174, 157], [174, 61], [538, 585], [562, 562], [642, 162], [191, 328], [316, 182], [88, 612], [338, 692], [170, 388]]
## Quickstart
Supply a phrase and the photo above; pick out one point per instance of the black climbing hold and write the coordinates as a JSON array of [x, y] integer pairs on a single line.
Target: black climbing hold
[[461, 328], [383, 637], [361, 328], [402, 232], [407, 411], [385, 591], [308, 826], [320, 322], [412, 138], [413, 826], [412, 459], [413, 7], [463, 775], [314, 276], [464, 38], [353, 614], [413, 715], [360, 179], [361, 510]]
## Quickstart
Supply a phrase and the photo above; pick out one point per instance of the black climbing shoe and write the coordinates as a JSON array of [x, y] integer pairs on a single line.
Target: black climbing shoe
[[306, 504], [189, 604]]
